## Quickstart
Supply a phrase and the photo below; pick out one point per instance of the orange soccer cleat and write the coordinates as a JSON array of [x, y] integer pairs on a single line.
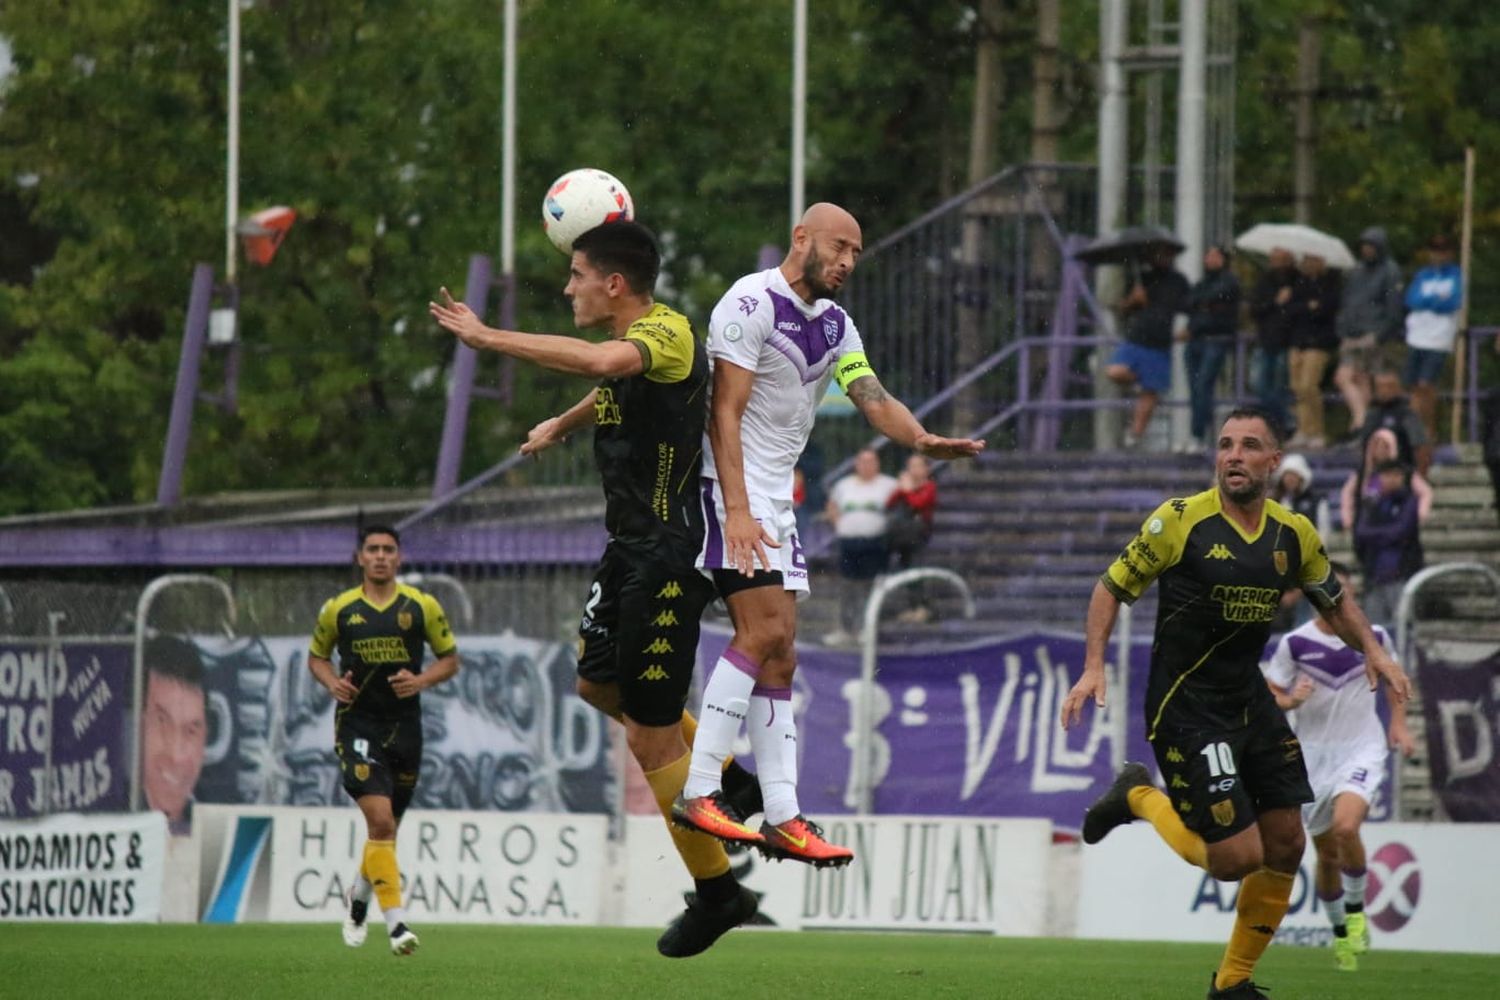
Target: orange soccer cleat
[[800, 839], [712, 815]]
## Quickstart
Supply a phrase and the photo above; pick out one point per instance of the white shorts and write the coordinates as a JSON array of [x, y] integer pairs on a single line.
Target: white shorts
[[778, 521], [1336, 769]]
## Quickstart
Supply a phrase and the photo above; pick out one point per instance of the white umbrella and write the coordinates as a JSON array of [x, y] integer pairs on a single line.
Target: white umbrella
[[1304, 241]]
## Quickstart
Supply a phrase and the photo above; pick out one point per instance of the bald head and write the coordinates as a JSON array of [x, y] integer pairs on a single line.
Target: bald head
[[826, 244]]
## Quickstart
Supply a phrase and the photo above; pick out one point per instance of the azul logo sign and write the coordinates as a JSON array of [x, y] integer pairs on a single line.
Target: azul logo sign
[[1394, 888]]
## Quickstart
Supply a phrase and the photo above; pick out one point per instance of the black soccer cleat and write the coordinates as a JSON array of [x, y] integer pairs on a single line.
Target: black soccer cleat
[[1112, 809], [1239, 991], [696, 928]]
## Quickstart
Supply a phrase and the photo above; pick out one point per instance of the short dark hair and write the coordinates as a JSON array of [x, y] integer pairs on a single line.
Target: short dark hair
[[625, 248], [377, 529], [174, 658], [1258, 413], [1391, 465]]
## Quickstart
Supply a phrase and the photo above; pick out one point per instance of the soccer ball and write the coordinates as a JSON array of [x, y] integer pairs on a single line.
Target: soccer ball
[[581, 199]]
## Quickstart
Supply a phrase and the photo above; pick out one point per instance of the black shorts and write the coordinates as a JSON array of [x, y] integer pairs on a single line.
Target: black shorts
[[640, 631], [1221, 779], [378, 756]]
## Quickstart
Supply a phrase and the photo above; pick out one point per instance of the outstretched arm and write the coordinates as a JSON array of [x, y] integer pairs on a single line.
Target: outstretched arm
[[1103, 608], [611, 359], [1350, 624], [889, 416]]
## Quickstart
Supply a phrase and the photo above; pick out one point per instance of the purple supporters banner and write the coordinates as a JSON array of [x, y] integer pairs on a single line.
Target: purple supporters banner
[[968, 731], [90, 692], [1462, 712]]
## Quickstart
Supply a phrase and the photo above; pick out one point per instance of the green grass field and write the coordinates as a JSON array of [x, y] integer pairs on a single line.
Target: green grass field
[[200, 962]]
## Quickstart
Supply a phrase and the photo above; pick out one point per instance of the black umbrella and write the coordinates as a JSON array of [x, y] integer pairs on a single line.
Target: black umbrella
[[1132, 243]]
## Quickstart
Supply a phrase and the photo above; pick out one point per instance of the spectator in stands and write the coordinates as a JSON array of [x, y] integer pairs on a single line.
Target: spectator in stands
[[857, 508], [1370, 314], [1432, 301], [1145, 358], [1390, 411], [909, 512], [1388, 541], [1292, 488], [174, 729], [1315, 305], [1213, 309], [1271, 305], [1489, 410], [1364, 485]]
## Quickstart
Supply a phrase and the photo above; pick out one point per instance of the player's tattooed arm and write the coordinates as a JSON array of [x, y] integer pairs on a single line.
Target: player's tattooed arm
[[889, 416]]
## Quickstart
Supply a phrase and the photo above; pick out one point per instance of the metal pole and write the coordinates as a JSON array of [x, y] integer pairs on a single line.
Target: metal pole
[[508, 146], [1192, 126], [1113, 120], [461, 385], [138, 677], [1460, 343], [232, 153], [799, 108], [864, 722], [180, 424], [54, 654], [1121, 695]]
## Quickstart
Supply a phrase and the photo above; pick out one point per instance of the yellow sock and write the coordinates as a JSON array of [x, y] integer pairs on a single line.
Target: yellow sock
[[703, 855], [690, 729], [380, 864], [1152, 805], [1265, 896]]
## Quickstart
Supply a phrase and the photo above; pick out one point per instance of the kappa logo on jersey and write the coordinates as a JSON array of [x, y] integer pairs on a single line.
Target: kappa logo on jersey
[[664, 619], [1219, 551], [669, 592], [1180, 506], [658, 646], [606, 410], [1177, 781], [653, 673], [1174, 755], [356, 619], [748, 304]]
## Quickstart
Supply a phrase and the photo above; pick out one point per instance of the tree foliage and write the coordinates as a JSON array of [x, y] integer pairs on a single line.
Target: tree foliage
[[378, 120]]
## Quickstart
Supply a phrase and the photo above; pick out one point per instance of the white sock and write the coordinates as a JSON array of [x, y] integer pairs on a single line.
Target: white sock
[[773, 741], [1334, 908], [362, 889], [1354, 888], [395, 915], [726, 698]]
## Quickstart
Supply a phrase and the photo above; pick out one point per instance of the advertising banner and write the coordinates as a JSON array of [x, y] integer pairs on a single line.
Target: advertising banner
[[293, 864], [508, 733], [971, 731], [88, 688], [104, 867], [1461, 705], [914, 873], [1432, 887]]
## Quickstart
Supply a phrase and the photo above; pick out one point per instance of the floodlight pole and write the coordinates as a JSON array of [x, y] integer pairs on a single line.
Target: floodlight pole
[[232, 146], [799, 109], [1191, 130]]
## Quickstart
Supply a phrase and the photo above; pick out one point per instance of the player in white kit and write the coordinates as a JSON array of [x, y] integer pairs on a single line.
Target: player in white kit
[[776, 340], [1313, 674]]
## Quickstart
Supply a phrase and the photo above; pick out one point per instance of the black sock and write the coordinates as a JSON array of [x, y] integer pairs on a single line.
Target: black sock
[[1354, 907], [719, 889], [739, 784], [1339, 930]]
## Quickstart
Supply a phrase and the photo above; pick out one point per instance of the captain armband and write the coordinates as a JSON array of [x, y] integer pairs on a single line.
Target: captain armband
[[1326, 593], [852, 366]]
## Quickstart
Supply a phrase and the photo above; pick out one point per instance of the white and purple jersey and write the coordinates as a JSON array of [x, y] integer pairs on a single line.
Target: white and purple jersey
[[1341, 709], [795, 349]]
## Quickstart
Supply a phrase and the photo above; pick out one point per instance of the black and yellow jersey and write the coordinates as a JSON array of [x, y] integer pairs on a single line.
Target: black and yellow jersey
[[648, 439], [1220, 588], [376, 641]]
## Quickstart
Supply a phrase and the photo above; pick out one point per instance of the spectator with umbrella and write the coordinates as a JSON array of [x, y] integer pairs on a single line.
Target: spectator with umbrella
[[1158, 293]]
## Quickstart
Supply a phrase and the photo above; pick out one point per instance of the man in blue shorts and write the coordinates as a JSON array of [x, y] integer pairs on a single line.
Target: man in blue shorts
[[1145, 356]]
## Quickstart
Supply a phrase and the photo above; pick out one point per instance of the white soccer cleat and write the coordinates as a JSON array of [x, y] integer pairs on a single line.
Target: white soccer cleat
[[355, 913], [403, 940]]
